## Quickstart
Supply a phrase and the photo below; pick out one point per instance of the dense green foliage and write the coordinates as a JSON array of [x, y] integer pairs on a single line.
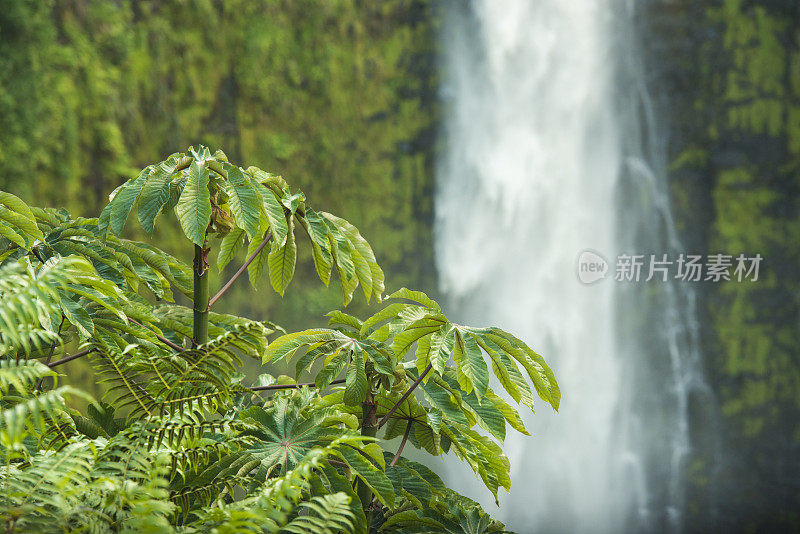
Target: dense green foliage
[[734, 85], [180, 444]]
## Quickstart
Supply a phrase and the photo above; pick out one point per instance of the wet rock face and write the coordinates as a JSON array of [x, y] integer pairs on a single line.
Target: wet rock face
[[726, 75]]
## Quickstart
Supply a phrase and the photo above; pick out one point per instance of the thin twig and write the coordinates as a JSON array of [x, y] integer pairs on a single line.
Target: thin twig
[[47, 362], [291, 386], [405, 396], [160, 338], [402, 443], [66, 359], [35, 251], [242, 269]]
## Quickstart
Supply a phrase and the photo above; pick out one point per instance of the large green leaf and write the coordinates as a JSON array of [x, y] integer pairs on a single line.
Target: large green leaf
[[441, 399], [17, 221], [282, 260], [356, 386], [372, 475], [424, 326], [122, 203], [472, 371], [12, 235], [243, 200], [155, 193], [286, 345], [260, 265], [506, 372], [194, 206], [17, 205], [340, 251], [540, 374], [334, 364], [288, 430], [229, 246], [327, 344], [369, 273], [320, 245], [273, 211], [415, 296]]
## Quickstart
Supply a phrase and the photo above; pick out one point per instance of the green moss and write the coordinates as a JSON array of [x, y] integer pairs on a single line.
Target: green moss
[[735, 185]]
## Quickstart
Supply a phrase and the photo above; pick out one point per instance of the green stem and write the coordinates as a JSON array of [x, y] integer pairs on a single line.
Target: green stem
[[242, 269], [405, 395], [369, 427], [293, 386], [200, 330], [403, 442], [66, 359]]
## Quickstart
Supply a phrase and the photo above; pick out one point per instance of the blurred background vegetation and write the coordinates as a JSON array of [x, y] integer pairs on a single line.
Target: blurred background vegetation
[[336, 96], [340, 97]]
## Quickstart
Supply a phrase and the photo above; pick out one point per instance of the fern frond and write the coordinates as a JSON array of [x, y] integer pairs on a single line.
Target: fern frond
[[206, 377], [327, 514], [206, 483], [21, 375], [30, 297], [51, 483], [32, 413], [124, 373]]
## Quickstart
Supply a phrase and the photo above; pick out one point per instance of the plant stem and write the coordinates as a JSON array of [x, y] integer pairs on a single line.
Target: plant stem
[[50, 354], [405, 395], [402, 443], [40, 383], [290, 386], [369, 427], [66, 359], [242, 269], [200, 327], [162, 339]]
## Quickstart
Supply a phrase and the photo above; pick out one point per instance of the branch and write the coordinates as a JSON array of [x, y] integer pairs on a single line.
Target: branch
[[242, 269], [402, 443], [35, 251], [162, 339], [405, 396], [291, 386], [47, 361], [70, 358]]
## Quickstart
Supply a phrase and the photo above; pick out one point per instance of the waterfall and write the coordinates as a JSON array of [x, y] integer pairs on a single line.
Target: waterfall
[[551, 149]]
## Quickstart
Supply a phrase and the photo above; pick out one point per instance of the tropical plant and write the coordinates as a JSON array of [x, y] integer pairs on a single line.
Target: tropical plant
[[179, 443]]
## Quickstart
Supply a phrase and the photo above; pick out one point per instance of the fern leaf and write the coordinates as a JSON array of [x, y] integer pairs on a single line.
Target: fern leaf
[[327, 514]]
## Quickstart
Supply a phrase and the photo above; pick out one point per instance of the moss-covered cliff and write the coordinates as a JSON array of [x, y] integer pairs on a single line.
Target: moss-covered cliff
[[733, 79]]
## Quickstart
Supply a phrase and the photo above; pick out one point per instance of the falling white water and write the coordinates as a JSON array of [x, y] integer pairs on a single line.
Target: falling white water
[[536, 153]]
